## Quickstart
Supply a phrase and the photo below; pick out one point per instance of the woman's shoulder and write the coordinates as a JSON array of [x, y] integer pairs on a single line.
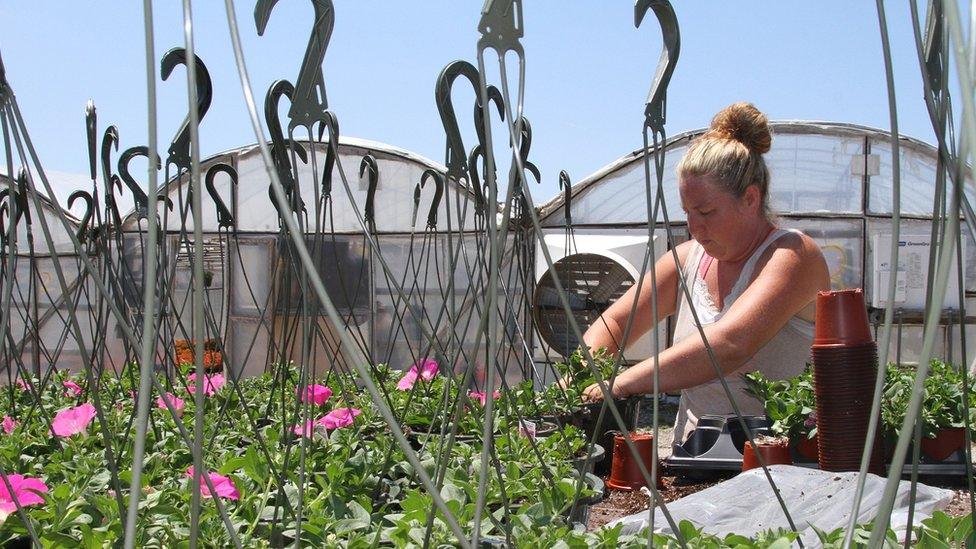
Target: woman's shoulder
[[684, 250], [796, 253], [805, 247]]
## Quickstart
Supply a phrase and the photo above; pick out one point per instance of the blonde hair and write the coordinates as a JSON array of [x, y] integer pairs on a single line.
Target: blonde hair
[[731, 152]]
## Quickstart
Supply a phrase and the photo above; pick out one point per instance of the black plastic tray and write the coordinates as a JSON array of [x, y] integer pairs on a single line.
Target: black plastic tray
[[716, 443]]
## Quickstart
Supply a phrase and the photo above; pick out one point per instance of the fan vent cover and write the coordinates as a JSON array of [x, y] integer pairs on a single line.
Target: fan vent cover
[[592, 283]]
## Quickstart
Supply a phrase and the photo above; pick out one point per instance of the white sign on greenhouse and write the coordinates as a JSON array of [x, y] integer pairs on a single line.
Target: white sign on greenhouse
[[913, 265]]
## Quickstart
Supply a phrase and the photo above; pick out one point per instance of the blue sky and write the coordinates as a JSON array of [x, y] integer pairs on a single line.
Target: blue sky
[[588, 70]]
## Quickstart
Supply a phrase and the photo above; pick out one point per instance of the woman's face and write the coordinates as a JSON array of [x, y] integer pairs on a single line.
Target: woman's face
[[723, 224]]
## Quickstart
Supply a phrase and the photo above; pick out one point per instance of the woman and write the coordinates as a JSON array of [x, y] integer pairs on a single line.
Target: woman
[[752, 284]]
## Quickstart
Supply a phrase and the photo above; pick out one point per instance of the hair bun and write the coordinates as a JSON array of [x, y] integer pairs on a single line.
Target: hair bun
[[744, 123]]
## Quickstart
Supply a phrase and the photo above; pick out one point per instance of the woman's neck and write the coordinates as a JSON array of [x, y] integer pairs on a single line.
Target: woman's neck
[[759, 236]]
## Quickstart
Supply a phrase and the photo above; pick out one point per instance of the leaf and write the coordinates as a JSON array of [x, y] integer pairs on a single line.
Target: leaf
[[232, 464], [358, 511], [61, 491], [451, 493], [254, 466], [688, 530]]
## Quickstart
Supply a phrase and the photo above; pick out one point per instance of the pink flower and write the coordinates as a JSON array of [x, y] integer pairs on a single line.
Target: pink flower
[[72, 421], [26, 490], [8, 424], [339, 418], [23, 385], [212, 384], [307, 429], [223, 486], [177, 403], [317, 394], [71, 388], [483, 397], [425, 369]]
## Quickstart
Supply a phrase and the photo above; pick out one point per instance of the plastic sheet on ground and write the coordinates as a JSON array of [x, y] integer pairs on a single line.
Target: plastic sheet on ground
[[746, 504]]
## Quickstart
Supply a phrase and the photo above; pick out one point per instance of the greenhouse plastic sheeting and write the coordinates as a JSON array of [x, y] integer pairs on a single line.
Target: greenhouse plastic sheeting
[[746, 504]]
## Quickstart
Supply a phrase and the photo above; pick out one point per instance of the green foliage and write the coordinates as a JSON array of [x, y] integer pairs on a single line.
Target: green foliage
[[580, 374], [789, 403], [942, 402], [941, 531], [357, 489], [354, 485]]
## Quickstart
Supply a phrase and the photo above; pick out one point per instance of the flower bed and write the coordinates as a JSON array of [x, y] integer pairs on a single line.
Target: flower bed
[[276, 448], [270, 448]]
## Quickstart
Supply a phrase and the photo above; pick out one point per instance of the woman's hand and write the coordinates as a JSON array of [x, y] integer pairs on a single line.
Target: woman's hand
[[594, 394]]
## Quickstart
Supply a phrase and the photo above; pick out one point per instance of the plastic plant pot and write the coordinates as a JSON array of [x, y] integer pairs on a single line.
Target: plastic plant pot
[[586, 419], [807, 447], [841, 319], [945, 443], [585, 464], [625, 473], [580, 512], [777, 453]]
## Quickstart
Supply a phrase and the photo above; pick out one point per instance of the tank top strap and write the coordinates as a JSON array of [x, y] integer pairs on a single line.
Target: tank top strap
[[692, 261], [688, 271], [745, 276]]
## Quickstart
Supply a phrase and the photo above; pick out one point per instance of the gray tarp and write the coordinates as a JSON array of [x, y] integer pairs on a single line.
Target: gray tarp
[[746, 504]]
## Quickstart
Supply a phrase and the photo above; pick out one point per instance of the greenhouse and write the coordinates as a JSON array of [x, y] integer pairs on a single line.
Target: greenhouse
[[317, 340]]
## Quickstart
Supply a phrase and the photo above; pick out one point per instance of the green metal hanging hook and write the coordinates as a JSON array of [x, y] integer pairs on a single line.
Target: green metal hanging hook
[[310, 102], [656, 107], [179, 149]]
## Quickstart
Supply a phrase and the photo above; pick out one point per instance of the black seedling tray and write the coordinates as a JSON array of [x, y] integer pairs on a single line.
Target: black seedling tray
[[716, 444]]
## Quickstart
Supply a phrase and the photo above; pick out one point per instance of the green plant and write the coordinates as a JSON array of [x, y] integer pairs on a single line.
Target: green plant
[[789, 403], [942, 531], [578, 371], [942, 402]]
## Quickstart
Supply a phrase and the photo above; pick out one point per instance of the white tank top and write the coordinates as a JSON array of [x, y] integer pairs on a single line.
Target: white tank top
[[784, 356]]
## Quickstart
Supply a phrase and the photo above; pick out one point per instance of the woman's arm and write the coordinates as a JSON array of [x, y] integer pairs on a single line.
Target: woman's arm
[[788, 282], [608, 330]]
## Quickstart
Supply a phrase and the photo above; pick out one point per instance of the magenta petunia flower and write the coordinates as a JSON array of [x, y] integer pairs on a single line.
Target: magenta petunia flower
[[223, 486], [9, 424], [212, 384], [71, 388], [317, 394], [425, 369], [26, 489], [482, 397], [338, 418], [407, 381], [307, 429], [177, 403], [71, 421]]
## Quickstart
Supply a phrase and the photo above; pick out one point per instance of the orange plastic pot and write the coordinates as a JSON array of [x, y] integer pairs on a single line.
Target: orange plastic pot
[[625, 473], [807, 447], [772, 454], [841, 319], [945, 443]]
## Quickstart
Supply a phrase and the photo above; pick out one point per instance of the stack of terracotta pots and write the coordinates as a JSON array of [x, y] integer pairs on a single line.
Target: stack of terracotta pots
[[845, 368]]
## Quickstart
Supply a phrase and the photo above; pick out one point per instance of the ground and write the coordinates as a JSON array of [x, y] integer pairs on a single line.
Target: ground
[[618, 503]]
